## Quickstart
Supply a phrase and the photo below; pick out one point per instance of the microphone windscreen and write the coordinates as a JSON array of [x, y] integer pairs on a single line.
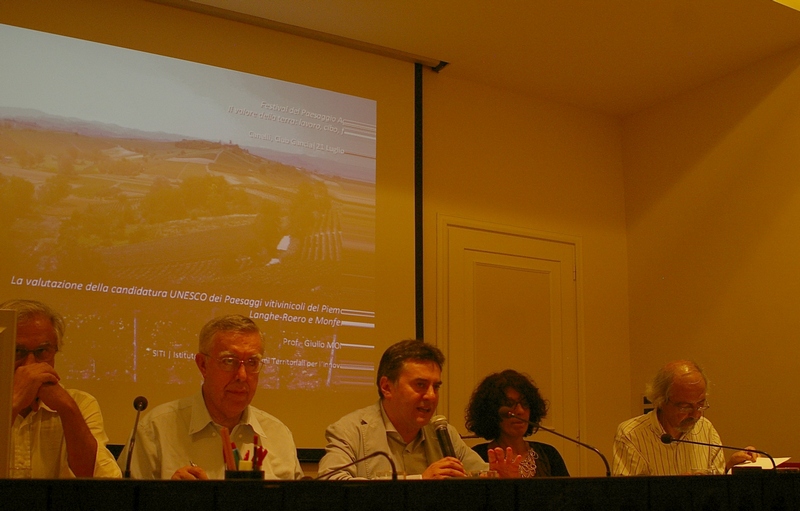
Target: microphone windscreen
[[140, 403], [440, 426], [666, 438], [439, 421]]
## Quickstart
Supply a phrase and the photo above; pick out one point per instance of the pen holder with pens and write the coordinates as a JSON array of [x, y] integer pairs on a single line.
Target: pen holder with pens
[[238, 468]]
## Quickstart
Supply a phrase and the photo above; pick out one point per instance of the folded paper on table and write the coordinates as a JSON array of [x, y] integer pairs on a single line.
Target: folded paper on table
[[763, 462]]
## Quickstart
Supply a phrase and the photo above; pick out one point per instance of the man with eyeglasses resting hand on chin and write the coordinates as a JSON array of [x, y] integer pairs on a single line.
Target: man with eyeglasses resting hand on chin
[[56, 432], [181, 439], [678, 394]]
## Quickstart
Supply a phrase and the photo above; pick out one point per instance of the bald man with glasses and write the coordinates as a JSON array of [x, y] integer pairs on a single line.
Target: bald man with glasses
[[182, 439], [678, 394], [56, 432]]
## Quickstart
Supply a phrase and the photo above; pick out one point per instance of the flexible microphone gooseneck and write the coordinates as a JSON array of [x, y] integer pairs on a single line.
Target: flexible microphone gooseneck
[[368, 456], [140, 403], [506, 412], [667, 439], [440, 427]]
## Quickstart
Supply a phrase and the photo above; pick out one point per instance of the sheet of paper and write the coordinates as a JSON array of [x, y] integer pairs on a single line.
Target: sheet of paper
[[763, 462]]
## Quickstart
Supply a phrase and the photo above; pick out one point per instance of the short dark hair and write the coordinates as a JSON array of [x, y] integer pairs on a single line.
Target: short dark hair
[[396, 355], [482, 414]]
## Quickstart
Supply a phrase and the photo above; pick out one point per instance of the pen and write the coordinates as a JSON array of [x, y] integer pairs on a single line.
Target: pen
[[236, 456], [227, 454], [259, 453]]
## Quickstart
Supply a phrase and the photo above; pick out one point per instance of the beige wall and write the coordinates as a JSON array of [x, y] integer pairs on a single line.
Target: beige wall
[[496, 157], [490, 156], [701, 236], [713, 206]]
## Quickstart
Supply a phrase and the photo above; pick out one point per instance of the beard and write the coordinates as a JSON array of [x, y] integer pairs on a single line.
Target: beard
[[687, 424]]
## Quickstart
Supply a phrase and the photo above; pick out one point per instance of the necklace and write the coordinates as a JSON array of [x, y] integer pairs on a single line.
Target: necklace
[[527, 468]]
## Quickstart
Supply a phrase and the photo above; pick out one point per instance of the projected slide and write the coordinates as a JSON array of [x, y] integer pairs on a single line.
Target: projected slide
[[142, 195]]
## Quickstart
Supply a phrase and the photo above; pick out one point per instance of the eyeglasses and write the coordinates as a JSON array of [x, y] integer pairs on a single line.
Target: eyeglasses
[[230, 364], [513, 404], [43, 353], [687, 408]]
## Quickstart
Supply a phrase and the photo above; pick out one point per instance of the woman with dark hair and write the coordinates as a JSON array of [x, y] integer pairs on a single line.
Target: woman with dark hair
[[517, 392]]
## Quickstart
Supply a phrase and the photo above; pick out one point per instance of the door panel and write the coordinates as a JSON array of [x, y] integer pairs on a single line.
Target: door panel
[[509, 301]]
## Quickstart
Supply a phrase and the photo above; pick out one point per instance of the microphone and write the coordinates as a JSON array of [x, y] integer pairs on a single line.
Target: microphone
[[440, 427], [140, 403], [667, 439], [359, 460], [505, 412]]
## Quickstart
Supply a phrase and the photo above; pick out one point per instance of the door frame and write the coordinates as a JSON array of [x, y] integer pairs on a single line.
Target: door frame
[[444, 225]]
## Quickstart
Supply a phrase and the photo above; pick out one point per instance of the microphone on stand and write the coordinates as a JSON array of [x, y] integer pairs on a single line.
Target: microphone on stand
[[667, 439], [140, 403], [506, 412], [359, 460], [440, 427]]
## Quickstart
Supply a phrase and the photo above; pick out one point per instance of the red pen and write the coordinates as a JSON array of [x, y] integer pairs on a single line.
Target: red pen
[[227, 453]]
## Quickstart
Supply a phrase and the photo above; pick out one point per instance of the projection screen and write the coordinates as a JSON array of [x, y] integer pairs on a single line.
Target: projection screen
[[144, 194]]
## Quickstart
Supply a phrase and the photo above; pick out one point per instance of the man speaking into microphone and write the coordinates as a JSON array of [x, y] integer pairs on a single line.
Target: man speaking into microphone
[[399, 424], [678, 393]]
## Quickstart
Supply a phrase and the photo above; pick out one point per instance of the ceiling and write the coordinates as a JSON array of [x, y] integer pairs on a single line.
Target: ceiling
[[614, 56]]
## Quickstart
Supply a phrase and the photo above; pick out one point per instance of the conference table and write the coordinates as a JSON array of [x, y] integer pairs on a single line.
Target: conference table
[[770, 490]]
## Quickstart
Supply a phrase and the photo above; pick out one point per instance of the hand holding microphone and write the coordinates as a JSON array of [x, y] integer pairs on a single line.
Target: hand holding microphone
[[444, 468], [440, 427], [504, 462]]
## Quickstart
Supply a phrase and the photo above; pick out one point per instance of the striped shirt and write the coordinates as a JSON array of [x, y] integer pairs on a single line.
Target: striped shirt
[[638, 449]]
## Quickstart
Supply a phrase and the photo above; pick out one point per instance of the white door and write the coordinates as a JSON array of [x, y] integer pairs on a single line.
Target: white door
[[508, 300]]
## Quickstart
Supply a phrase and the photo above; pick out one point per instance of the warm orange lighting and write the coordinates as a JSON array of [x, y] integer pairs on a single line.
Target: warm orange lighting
[[794, 4]]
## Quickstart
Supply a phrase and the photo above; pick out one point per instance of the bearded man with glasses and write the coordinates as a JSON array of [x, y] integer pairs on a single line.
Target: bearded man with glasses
[[678, 395], [56, 432], [182, 439]]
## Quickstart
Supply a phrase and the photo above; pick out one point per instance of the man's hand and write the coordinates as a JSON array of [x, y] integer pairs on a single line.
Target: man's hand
[[81, 444], [444, 468], [506, 463], [189, 473], [741, 457], [28, 379], [56, 397]]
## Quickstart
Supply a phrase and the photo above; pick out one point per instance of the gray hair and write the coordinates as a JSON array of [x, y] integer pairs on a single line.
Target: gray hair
[[29, 309], [659, 389], [229, 323]]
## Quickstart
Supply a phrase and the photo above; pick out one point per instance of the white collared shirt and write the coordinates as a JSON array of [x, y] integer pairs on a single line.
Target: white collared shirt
[[40, 450], [178, 433]]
